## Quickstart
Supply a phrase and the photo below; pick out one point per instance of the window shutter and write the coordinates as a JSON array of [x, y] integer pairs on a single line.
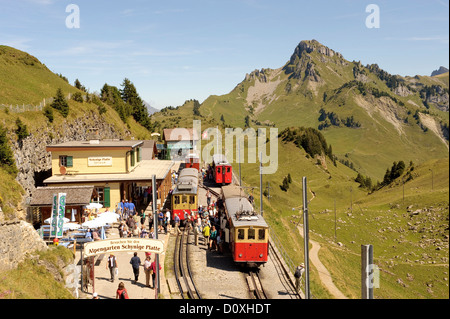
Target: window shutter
[[139, 155], [69, 161], [107, 197], [132, 158]]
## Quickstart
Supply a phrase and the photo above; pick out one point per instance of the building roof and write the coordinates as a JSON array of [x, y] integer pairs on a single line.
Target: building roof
[[149, 149], [143, 172], [180, 134], [100, 144], [76, 195]]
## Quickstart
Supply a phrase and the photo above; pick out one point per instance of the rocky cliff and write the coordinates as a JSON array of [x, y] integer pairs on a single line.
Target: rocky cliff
[[18, 239]]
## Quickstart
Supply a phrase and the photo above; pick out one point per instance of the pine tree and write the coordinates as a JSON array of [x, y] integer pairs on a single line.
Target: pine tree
[[60, 103], [21, 130], [6, 154], [139, 110]]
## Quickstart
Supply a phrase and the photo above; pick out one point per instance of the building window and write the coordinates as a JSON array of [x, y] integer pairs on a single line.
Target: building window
[[102, 196], [66, 161]]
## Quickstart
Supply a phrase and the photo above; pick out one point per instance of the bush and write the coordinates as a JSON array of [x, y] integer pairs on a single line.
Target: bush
[[21, 130], [48, 113], [77, 97]]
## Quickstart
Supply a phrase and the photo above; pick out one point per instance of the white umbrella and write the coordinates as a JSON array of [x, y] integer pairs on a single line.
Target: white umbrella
[[109, 217], [94, 205], [95, 223]]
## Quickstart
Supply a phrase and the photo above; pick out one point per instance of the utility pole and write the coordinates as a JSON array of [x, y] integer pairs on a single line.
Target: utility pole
[[268, 190], [260, 184], [155, 227], [335, 221], [306, 238], [432, 179], [368, 272], [239, 154]]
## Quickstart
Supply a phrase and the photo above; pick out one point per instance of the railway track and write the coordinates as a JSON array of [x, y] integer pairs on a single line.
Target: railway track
[[255, 285], [182, 270]]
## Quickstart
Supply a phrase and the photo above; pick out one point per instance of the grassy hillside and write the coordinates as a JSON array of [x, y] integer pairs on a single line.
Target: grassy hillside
[[410, 248], [25, 80]]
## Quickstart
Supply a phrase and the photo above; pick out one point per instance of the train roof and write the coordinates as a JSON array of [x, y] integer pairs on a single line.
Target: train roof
[[242, 214], [239, 209], [187, 182], [220, 159], [230, 191], [191, 172]]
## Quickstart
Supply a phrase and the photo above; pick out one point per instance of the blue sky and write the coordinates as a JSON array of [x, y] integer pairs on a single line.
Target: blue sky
[[177, 50]]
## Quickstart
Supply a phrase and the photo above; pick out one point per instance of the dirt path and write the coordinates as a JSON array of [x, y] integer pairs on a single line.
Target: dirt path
[[324, 274]]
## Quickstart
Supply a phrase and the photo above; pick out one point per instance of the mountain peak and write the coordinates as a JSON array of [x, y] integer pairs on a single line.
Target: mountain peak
[[309, 46], [441, 70]]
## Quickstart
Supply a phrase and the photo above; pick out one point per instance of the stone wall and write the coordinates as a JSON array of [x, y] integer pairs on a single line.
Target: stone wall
[[17, 240]]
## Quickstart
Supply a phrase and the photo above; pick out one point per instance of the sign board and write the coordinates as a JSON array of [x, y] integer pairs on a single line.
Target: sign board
[[58, 212], [99, 161], [123, 245]]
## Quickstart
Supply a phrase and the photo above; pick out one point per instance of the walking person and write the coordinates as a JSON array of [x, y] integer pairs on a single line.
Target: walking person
[[299, 275], [135, 263], [208, 197], [206, 232], [112, 265], [121, 292], [147, 270], [212, 238]]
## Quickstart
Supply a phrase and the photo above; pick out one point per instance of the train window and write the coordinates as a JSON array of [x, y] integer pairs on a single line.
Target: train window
[[177, 200], [191, 199], [184, 199], [262, 234], [228, 169], [251, 234], [241, 234]]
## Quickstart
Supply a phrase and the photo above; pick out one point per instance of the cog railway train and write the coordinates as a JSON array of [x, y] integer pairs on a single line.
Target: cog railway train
[[245, 231], [248, 231]]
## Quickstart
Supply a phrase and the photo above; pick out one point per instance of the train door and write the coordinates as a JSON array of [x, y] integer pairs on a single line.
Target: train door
[[219, 175], [227, 174]]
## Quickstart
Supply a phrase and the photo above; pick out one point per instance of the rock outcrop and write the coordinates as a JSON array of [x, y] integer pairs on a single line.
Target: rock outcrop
[[17, 240]]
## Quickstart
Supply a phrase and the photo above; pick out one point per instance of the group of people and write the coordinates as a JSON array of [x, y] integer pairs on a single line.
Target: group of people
[[206, 221], [149, 270]]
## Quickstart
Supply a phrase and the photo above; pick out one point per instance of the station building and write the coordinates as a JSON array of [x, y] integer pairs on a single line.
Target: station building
[[115, 168]]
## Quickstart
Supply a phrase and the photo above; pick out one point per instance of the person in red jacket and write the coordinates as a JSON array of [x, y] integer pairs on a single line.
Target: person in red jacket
[[122, 292], [153, 266]]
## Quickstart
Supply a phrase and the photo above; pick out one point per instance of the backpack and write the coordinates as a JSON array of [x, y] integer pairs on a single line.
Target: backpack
[[124, 295]]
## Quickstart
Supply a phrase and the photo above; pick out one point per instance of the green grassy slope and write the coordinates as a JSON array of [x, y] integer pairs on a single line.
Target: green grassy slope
[[25, 80], [405, 245]]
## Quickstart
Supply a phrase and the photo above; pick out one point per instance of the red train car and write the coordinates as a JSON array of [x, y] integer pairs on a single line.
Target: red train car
[[222, 170], [192, 161], [246, 231]]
